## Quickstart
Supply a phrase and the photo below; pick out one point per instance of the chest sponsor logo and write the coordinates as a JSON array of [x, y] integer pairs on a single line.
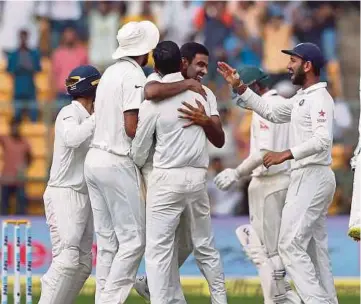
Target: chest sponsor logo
[[321, 116]]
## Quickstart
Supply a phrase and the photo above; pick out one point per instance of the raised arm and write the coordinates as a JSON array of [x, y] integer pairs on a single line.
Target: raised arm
[[144, 136], [73, 133], [228, 177], [246, 98], [158, 91]]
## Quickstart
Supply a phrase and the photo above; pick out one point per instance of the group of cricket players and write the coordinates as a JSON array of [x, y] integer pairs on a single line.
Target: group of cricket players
[[130, 164]]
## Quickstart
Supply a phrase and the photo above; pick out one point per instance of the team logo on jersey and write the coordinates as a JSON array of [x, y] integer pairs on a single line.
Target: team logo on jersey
[[263, 126], [302, 101]]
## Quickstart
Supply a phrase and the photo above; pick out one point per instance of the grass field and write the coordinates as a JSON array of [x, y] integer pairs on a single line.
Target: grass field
[[201, 300], [240, 291]]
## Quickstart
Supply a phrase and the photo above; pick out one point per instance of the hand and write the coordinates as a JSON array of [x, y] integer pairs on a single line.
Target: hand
[[196, 87], [197, 116], [276, 158], [229, 74], [226, 179]]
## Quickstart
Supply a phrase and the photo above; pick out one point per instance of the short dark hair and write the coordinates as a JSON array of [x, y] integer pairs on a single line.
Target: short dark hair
[[189, 50], [316, 70], [167, 57]]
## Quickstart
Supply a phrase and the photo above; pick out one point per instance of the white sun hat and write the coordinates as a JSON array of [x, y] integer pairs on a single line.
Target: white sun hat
[[136, 39]]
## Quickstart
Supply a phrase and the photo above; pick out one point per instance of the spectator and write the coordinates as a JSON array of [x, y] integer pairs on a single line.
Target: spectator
[[103, 27], [23, 64], [17, 158], [66, 57], [241, 49], [277, 35], [62, 15], [250, 13], [177, 22], [15, 16], [215, 23], [223, 203]]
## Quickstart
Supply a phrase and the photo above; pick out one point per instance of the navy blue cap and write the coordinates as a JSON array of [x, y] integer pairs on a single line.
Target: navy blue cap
[[309, 52], [83, 81]]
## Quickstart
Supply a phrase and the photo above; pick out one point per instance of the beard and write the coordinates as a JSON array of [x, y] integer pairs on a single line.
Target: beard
[[299, 77]]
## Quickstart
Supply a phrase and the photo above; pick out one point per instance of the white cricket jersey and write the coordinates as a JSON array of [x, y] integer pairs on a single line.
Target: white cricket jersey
[[269, 136], [310, 113], [120, 89], [74, 128], [176, 147], [211, 99]]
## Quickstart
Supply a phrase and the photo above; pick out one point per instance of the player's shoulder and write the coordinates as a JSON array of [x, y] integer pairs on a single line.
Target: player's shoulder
[[154, 77], [209, 92], [67, 112]]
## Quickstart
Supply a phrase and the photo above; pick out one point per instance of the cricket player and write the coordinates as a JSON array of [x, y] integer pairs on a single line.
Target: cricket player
[[177, 183], [194, 68], [355, 221], [67, 206], [267, 193], [114, 182], [303, 235]]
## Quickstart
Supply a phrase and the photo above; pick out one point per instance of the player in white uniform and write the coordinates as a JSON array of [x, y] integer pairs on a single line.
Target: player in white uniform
[[114, 182], [67, 206], [303, 245], [355, 221], [267, 193], [194, 66], [177, 183]]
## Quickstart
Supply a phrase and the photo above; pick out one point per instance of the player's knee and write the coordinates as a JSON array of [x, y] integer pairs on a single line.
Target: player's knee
[[68, 260], [86, 263], [204, 251]]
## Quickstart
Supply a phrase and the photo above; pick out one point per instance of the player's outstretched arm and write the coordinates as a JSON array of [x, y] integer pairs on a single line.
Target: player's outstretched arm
[[228, 177], [143, 139], [75, 134], [158, 91], [246, 98]]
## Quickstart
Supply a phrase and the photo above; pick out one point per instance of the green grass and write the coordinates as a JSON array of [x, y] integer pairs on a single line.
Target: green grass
[[199, 300]]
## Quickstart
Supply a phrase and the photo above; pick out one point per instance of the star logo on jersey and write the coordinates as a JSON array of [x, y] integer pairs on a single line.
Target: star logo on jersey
[[322, 113], [263, 126]]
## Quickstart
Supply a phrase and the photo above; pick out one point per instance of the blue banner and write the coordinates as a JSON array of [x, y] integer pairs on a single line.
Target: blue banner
[[344, 252]]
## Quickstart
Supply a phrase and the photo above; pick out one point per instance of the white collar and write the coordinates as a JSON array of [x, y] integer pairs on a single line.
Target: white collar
[[314, 87], [132, 61], [84, 113], [270, 93], [173, 77]]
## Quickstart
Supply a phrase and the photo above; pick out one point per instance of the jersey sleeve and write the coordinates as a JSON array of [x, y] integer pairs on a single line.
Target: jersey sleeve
[[133, 91], [278, 112], [143, 140], [212, 99], [72, 133]]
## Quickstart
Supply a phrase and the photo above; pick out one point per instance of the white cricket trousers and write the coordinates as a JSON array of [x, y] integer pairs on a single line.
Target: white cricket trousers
[[172, 192], [356, 196], [267, 196], [117, 199], [69, 217], [303, 242]]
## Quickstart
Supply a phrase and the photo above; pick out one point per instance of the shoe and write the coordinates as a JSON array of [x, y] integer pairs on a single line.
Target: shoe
[[354, 232], [141, 287]]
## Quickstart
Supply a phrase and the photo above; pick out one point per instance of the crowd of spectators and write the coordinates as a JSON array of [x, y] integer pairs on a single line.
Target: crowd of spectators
[[71, 33]]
